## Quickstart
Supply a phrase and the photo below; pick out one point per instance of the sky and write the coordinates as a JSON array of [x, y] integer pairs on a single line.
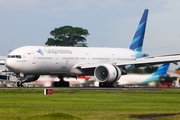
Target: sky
[[111, 23]]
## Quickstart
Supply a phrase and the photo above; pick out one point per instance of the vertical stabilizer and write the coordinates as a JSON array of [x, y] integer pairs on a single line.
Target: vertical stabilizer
[[158, 75], [162, 70], [138, 38]]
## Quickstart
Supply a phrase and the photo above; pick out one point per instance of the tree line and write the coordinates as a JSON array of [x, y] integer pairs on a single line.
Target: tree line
[[145, 70]]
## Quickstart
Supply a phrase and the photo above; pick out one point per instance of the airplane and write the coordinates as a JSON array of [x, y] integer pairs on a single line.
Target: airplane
[[2, 62], [107, 65], [150, 79]]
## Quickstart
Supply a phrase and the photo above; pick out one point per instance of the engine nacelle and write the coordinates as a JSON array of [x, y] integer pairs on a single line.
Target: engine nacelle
[[107, 73], [29, 78]]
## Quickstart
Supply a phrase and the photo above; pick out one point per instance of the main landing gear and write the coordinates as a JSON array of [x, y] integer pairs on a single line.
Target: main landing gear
[[61, 82], [107, 84], [20, 84]]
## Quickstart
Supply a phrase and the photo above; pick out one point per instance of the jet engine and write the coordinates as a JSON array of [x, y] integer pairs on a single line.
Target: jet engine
[[29, 78], [107, 73]]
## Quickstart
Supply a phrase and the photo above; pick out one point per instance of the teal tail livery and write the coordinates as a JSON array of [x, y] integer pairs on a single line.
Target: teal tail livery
[[147, 79], [159, 74], [137, 42]]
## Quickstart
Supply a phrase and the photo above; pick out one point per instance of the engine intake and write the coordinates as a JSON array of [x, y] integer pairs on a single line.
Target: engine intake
[[29, 78], [107, 73]]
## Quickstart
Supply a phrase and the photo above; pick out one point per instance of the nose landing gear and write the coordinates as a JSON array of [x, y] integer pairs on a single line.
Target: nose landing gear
[[20, 84]]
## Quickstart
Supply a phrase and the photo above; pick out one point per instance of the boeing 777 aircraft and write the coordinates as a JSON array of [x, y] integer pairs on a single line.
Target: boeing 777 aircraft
[[106, 64]]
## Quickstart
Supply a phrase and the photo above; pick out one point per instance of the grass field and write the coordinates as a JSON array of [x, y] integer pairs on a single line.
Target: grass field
[[30, 104]]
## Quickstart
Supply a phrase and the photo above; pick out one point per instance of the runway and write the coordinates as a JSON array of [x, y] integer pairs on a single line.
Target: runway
[[101, 89], [120, 89]]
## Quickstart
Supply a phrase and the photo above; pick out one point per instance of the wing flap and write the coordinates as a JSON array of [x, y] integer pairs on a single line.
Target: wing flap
[[152, 60]]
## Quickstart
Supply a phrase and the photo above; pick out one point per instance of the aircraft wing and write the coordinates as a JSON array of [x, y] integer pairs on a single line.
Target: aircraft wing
[[141, 62], [154, 60]]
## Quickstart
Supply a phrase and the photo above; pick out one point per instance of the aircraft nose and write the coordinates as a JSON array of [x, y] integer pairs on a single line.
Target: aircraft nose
[[11, 65]]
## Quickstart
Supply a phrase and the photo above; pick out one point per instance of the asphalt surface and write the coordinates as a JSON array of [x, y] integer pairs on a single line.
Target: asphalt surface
[[102, 88]]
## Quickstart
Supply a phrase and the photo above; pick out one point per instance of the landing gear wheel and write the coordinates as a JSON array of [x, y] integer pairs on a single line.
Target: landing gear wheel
[[61, 84], [102, 84], [20, 84], [114, 84], [106, 84]]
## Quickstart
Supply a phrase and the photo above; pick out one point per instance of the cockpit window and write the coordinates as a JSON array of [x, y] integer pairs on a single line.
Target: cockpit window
[[14, 56], [18, 56]]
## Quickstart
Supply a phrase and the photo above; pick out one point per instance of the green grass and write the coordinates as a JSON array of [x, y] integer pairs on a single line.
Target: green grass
[[20, 104]]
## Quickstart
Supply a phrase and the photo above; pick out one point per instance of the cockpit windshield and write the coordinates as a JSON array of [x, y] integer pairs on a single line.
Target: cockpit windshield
[[14, 56]]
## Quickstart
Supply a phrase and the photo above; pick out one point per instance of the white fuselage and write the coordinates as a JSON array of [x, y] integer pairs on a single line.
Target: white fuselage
[[40, 60], [133, 79], [130, 79]]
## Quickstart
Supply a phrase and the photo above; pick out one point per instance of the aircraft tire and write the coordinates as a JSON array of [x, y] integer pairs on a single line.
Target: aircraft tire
[[61, 84], [105, 84], [22, 85], [18, 84], [109, 84], [114, 84], [102, 84]]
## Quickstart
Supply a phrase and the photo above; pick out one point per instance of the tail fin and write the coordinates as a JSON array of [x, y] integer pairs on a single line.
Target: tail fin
[[159, 74], [137, 42], [162, 70]]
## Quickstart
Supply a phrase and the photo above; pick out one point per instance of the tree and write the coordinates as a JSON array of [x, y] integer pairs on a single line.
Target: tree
[[150, 70], [178, 69], [145, 70], [68, 36], [137, 71]]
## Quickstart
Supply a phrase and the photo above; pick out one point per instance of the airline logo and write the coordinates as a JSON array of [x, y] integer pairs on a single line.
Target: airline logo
[[57, 51], [41, 52]]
